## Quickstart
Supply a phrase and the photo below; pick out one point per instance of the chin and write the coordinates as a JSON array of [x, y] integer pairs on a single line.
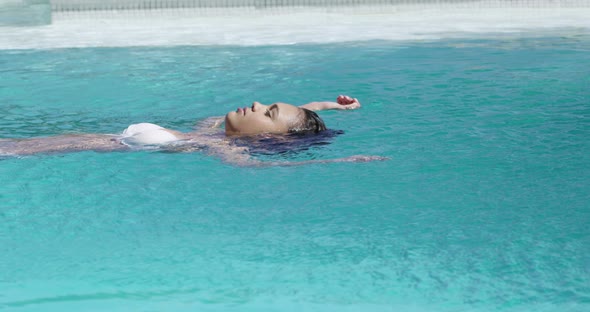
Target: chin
[[229, 128]]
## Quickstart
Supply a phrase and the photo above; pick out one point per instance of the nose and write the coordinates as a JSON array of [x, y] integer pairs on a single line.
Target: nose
[[257, 106]]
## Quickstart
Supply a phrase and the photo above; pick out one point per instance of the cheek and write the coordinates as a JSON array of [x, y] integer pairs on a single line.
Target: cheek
[[251, 124], [259, 124]]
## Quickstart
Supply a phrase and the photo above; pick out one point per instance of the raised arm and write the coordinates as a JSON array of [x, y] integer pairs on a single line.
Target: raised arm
[[342, 102]]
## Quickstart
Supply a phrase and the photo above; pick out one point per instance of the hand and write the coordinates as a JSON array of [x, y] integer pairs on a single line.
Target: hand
[[346, 102], [363, 158]]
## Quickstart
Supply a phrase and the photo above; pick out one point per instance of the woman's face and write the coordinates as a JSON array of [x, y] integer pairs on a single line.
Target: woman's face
[[257, 119]]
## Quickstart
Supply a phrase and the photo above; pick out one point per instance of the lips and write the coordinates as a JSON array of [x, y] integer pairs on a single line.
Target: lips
[[241, 111]]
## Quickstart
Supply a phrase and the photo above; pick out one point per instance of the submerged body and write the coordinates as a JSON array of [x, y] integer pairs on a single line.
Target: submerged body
[[143, 136], [60, 144]]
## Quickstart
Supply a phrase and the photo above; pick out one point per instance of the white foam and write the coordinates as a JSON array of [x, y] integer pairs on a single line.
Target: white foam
[[173, 27]]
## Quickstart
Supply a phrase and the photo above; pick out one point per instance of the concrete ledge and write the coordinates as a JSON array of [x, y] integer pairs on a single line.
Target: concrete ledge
[[93, 5]]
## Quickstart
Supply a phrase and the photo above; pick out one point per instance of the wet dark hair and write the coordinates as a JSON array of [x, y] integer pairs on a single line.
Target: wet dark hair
[[310, 122], [289, 145]]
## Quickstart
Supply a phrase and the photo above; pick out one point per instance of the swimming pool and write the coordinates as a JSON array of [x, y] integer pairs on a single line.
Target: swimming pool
[[482, 207]]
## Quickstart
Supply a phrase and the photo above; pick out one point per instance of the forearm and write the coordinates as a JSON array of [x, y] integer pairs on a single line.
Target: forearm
[[319, 106], [250, 162]]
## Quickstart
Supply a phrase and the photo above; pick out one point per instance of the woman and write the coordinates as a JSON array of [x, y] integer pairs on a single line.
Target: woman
[[275, 119]]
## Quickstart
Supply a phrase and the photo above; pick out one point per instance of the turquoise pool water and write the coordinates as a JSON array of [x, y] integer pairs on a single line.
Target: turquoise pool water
[[482, 207]]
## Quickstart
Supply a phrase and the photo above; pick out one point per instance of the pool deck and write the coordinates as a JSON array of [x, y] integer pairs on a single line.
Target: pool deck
[[279, 26]]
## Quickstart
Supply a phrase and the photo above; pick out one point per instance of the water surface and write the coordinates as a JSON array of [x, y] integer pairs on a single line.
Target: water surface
[[482, 207]]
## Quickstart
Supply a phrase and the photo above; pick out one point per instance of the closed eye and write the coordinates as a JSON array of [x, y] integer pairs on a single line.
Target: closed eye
[[272, 111]]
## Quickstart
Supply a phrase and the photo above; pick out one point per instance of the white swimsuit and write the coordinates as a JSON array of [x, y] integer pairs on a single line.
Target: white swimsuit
[[142, 134]]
